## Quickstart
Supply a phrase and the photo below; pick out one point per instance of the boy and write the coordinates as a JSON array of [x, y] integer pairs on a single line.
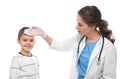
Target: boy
[[24, 65]]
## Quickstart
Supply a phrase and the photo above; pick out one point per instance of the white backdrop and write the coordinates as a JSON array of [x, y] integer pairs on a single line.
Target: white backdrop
[[58, 19]]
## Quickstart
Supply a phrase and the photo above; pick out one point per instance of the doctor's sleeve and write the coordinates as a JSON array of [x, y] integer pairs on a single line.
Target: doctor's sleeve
[[14, 69], [109, 70], [65, 45]]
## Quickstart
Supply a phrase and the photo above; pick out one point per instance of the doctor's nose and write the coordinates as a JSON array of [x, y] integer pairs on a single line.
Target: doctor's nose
[[77, 27]]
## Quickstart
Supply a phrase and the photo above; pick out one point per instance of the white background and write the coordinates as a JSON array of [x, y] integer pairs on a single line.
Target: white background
[[58, 19]]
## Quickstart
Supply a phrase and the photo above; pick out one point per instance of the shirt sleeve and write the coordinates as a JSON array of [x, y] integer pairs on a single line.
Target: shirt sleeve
[[14, 69]]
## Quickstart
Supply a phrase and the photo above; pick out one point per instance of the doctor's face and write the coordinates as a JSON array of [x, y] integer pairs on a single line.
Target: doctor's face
[[82, 27]]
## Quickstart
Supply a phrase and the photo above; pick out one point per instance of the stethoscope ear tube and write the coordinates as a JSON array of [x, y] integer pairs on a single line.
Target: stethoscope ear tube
[[101, 48], [79, 45]]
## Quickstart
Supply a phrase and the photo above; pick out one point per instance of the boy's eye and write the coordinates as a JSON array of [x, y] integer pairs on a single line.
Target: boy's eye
[[24, 40], [31, 40]]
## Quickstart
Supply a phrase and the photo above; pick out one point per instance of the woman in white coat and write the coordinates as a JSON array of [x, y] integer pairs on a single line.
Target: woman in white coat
[[94, 53]]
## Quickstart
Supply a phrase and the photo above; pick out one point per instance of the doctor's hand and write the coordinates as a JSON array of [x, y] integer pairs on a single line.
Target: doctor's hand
[[35, 31]]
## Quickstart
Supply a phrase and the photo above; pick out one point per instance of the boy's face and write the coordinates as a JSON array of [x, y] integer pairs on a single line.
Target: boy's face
[[26, 42]]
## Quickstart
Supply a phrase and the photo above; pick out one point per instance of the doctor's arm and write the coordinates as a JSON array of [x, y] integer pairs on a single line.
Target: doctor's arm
[[37, 31], [109, 70], [54, 44], [48, 39]]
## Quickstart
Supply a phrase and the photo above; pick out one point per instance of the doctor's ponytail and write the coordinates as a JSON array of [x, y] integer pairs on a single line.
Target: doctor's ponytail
[[92, 16], [103, 29]]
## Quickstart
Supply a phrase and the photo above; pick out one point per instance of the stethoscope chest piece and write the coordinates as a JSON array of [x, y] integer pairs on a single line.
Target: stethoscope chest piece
[[98, 62]]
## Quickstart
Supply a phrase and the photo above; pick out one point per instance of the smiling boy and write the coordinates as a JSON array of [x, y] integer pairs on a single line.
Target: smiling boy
[[24, 65]]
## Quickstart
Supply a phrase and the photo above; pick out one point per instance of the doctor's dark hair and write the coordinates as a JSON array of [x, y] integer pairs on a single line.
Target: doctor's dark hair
[[21, 31], [92, 16]]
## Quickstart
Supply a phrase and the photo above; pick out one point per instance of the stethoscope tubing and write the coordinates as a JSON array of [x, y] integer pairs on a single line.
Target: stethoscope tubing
[[100, 49]]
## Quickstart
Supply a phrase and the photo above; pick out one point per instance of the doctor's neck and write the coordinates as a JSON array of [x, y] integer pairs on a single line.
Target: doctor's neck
[[93, 36]]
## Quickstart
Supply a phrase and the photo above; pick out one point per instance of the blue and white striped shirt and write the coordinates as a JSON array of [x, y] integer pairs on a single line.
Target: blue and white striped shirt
[[24, 67]]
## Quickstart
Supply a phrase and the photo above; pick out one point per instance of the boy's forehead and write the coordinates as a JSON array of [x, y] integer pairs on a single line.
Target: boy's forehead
[[27, 36]]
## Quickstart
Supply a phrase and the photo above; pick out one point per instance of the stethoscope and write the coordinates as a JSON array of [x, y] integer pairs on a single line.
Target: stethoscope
[[99, 61]]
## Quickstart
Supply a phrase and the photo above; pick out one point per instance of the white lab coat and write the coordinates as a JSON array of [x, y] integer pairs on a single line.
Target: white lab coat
[[105, 70]]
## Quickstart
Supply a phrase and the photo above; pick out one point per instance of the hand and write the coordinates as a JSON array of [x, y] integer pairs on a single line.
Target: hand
[[35, 31]]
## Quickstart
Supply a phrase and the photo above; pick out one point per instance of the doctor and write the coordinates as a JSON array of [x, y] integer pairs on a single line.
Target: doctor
[[94, 53]]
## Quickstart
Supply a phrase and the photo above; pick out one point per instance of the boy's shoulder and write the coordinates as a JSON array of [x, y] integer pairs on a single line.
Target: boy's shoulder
[[19, 55]]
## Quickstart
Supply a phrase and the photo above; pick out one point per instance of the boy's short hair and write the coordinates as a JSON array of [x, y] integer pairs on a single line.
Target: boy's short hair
[[21, 31]]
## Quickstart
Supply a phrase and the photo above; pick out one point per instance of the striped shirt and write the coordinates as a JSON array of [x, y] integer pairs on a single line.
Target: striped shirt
[[24, 67]]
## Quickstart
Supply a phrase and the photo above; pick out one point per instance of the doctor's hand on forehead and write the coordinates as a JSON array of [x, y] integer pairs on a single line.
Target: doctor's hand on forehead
[[35, 31]]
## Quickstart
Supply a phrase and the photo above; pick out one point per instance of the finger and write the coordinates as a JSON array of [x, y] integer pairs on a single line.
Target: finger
[[28, 31], [34, 27]]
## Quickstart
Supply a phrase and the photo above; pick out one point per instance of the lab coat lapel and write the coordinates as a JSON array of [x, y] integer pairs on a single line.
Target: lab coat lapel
[[81, 46], [95, 52]]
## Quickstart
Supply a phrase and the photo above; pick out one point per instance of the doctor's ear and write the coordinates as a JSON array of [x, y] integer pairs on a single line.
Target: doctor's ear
[[92, 27]]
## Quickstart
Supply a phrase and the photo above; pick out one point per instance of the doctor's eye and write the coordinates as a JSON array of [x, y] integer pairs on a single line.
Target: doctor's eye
[[79, 24]]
